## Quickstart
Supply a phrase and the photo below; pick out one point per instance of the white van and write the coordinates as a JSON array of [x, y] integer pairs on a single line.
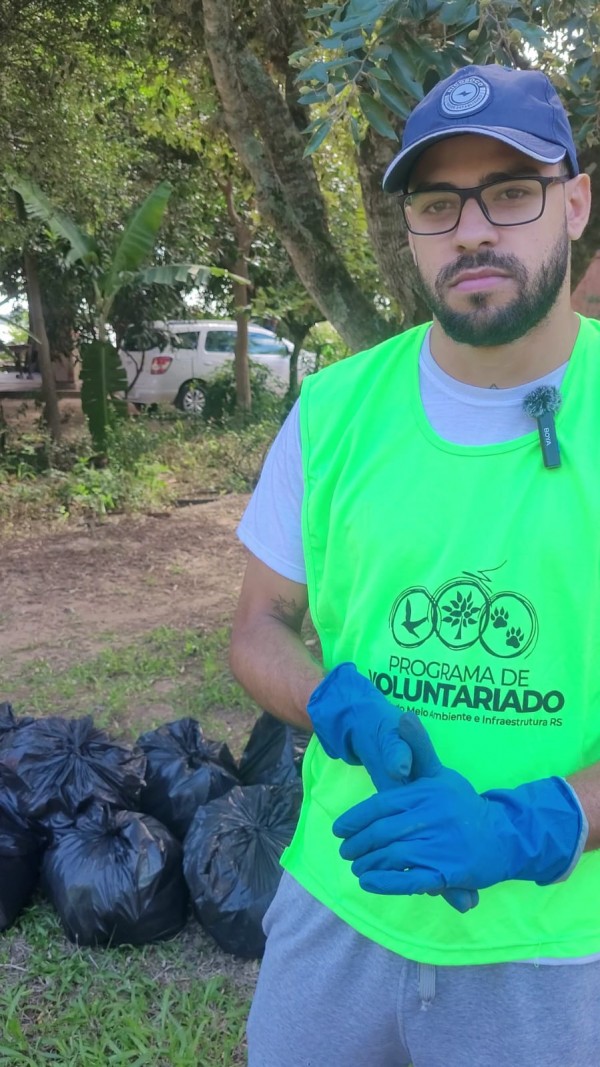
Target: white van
[[177, 373]]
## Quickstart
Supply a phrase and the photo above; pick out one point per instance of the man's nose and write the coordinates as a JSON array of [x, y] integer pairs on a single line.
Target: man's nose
[[473, 227]]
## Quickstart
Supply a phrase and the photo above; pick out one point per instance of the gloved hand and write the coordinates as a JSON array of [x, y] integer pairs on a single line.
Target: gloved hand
[[438, 832], [354, 722]]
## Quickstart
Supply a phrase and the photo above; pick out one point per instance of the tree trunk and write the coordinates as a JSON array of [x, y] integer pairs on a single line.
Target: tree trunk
[[242, 366], [293, 386], [241, 298], [387, 230], [38, 327], [584, 250], [271, 148]]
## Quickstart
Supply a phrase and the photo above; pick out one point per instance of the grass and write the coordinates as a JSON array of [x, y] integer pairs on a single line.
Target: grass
[[183, 671], [174, 1004], [154, 462], [83, 1008]]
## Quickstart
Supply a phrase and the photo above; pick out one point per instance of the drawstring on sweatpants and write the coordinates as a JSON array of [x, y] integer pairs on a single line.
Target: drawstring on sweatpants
[[426, 985]]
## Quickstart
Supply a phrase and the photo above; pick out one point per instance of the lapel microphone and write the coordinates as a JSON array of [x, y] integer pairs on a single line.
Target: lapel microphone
[[542, 404]]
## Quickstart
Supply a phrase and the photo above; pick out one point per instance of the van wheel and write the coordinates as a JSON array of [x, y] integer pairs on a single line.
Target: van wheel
[[191, 398]]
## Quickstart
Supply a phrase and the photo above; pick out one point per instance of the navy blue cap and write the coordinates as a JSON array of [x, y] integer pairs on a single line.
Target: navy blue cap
[[519, 107]]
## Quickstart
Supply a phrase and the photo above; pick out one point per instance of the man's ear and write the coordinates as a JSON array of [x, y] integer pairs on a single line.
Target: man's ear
[[578, 198]]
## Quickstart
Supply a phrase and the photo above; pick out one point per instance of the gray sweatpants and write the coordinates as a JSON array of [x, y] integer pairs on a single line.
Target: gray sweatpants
[[328, 997]]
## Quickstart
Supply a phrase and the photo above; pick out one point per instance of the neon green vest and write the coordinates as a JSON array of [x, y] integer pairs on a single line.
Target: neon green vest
[[465, 581]]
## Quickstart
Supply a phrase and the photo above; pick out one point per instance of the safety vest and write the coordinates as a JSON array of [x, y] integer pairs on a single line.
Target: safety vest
[[465, 582]]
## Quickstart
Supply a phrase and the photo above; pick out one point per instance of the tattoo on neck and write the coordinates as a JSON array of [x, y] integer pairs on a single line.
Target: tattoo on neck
[[493, 386]]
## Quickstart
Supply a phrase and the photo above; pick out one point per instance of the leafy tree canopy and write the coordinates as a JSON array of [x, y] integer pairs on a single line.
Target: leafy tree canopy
[[371, 61]]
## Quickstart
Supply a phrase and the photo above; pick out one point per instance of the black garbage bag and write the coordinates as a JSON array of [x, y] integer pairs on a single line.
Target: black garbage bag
[[10, 723], [183, 770], [21, 848], [231, 861], [65, 763], [115, 877], [273, 755]]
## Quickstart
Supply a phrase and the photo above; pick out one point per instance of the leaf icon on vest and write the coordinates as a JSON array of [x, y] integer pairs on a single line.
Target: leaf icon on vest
[[461, 612]]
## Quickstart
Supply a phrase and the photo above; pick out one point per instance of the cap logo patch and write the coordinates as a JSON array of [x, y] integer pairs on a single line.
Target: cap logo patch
[[465, 96]]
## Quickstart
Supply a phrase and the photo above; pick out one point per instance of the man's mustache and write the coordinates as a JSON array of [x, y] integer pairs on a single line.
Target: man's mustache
[[508, 264]]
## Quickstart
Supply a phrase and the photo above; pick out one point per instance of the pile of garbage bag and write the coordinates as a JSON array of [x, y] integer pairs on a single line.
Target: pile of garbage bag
[[120, 837]]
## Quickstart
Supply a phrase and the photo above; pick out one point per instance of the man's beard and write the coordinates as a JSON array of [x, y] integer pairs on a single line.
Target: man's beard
[[485, 325]]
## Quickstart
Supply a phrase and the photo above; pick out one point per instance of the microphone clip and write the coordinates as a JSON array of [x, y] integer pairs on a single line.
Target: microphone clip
[[542, 404]]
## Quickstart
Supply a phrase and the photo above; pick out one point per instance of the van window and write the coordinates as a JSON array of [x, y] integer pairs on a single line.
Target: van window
[[220, 341], [262, 344], [189, 339]]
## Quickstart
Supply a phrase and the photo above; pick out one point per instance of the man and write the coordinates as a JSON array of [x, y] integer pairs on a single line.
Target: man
[[440, 900]]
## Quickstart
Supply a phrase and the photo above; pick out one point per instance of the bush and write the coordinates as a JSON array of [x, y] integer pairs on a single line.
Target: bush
[[99, 490], [327, 343], [221, 402], [151, 461]]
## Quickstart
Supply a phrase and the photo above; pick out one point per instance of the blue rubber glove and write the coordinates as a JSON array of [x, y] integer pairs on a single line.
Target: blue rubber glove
[[438, 832], [354, 722]]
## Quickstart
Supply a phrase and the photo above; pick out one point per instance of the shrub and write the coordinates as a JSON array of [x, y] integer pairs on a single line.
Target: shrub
[[221, 401]]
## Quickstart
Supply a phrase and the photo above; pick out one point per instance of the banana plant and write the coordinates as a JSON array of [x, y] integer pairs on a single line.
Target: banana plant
[[103, 379]]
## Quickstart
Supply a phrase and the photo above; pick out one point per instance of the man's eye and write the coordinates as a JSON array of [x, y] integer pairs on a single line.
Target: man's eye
[[437, 207], [514, 192]]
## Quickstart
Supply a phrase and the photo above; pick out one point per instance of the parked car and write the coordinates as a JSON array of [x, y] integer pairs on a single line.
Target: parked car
[[178, 372]]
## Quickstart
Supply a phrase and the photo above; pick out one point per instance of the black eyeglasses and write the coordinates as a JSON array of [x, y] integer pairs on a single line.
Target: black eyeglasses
[[504, 202]]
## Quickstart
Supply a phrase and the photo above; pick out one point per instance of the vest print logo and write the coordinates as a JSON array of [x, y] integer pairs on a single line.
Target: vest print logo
[[465, 611]]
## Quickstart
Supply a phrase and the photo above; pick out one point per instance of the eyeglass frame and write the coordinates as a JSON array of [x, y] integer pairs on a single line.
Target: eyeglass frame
[[474, 193]]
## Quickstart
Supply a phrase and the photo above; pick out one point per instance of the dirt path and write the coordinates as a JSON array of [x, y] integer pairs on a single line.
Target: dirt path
[[59, 591]]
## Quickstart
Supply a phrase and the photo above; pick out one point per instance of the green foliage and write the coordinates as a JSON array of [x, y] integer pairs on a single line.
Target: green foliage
[[327, 344], [93, 492], [102, 375], [137, 307], [221, 400], [17, 327], [179, 273], [82, 247], [112, 269], [150, 462], [139, 238], [102, 380], [370, 61], [102, 101]]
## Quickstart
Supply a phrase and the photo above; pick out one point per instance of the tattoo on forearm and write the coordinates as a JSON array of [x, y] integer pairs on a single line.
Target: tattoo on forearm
[[289, 611]]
